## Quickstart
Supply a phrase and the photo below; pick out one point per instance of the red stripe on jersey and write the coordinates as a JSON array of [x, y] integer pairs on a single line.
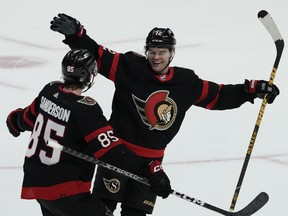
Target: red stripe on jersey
[[100, 54], [205, 90], [26, 119], [144, 152], [113, 68], [32, 106], [56, 191], [103, 151], [213, 102], [95, 133]]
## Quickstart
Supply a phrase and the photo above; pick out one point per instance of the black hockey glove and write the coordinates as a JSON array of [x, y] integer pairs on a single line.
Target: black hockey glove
[[66, 25], [160, 183], [12, 124], [260, 88]]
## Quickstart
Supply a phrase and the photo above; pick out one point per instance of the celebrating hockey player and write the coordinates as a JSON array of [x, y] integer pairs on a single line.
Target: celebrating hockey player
[[150, 101], [60, 182]]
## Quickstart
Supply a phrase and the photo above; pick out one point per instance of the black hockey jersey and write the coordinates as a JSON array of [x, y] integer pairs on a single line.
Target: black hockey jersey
[[73, 121], [148, 109]]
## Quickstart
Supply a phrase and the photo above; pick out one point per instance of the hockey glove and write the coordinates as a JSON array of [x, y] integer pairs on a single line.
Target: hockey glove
[[12, 124], [66, 25], [160, 183], [260, 88]]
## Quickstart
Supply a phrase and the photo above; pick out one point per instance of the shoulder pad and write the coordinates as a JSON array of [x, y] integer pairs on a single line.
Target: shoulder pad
[[87, 101], [138, 54], [53, 82]]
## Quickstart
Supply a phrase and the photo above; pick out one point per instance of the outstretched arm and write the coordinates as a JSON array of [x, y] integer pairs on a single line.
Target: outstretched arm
[[74, 32]]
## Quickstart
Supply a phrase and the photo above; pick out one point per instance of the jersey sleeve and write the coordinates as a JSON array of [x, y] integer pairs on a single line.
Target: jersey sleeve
[[94, 127], [107, 60], [103, 143], [28, 115], [213, 96]]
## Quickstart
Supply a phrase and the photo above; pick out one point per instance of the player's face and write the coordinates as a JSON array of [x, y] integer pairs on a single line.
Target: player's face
[[159, 59]]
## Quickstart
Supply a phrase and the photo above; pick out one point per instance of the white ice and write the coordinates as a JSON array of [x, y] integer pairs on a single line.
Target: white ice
[[222, 40]]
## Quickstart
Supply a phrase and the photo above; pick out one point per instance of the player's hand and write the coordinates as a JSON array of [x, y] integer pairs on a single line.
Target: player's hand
[[11, 123], [66, 25], [260, 88], [160, 183]]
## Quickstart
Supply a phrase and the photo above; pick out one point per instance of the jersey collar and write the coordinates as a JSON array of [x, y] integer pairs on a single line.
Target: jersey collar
[[166, 77]]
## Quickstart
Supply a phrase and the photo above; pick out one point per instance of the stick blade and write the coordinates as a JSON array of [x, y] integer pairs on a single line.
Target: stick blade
[[254, 205], [270, 25]]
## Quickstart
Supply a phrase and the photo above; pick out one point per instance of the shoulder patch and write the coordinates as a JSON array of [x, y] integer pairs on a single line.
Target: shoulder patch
[[87, 101]]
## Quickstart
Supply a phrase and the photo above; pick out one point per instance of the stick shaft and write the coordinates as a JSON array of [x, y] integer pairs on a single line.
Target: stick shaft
[[250, 209], [269, 24]]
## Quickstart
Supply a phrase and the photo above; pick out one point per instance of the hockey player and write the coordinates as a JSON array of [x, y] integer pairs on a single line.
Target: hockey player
[[150, 102], [60, 182]]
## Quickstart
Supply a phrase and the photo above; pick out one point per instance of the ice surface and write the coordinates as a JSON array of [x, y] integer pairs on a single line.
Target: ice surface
[[221, 40]]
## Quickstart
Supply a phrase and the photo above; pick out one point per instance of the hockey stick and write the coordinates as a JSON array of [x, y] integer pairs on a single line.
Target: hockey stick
[[270, 25], [250, 209]]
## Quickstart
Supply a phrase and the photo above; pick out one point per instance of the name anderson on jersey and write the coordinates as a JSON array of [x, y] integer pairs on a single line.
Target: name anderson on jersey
[[54, 110]]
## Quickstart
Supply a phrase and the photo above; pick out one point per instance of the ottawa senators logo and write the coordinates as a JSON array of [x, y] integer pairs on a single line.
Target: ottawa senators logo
[[158, 111], [113, 185], [87, 101]]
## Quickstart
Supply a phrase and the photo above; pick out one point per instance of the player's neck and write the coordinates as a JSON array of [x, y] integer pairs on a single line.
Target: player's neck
[[75, 91], [163, 72]]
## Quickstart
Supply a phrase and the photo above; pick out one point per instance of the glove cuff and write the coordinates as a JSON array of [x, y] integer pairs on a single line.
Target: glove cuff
[[80, 31], [12, 123], [155, 166], [250, 86], [75, 37]]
